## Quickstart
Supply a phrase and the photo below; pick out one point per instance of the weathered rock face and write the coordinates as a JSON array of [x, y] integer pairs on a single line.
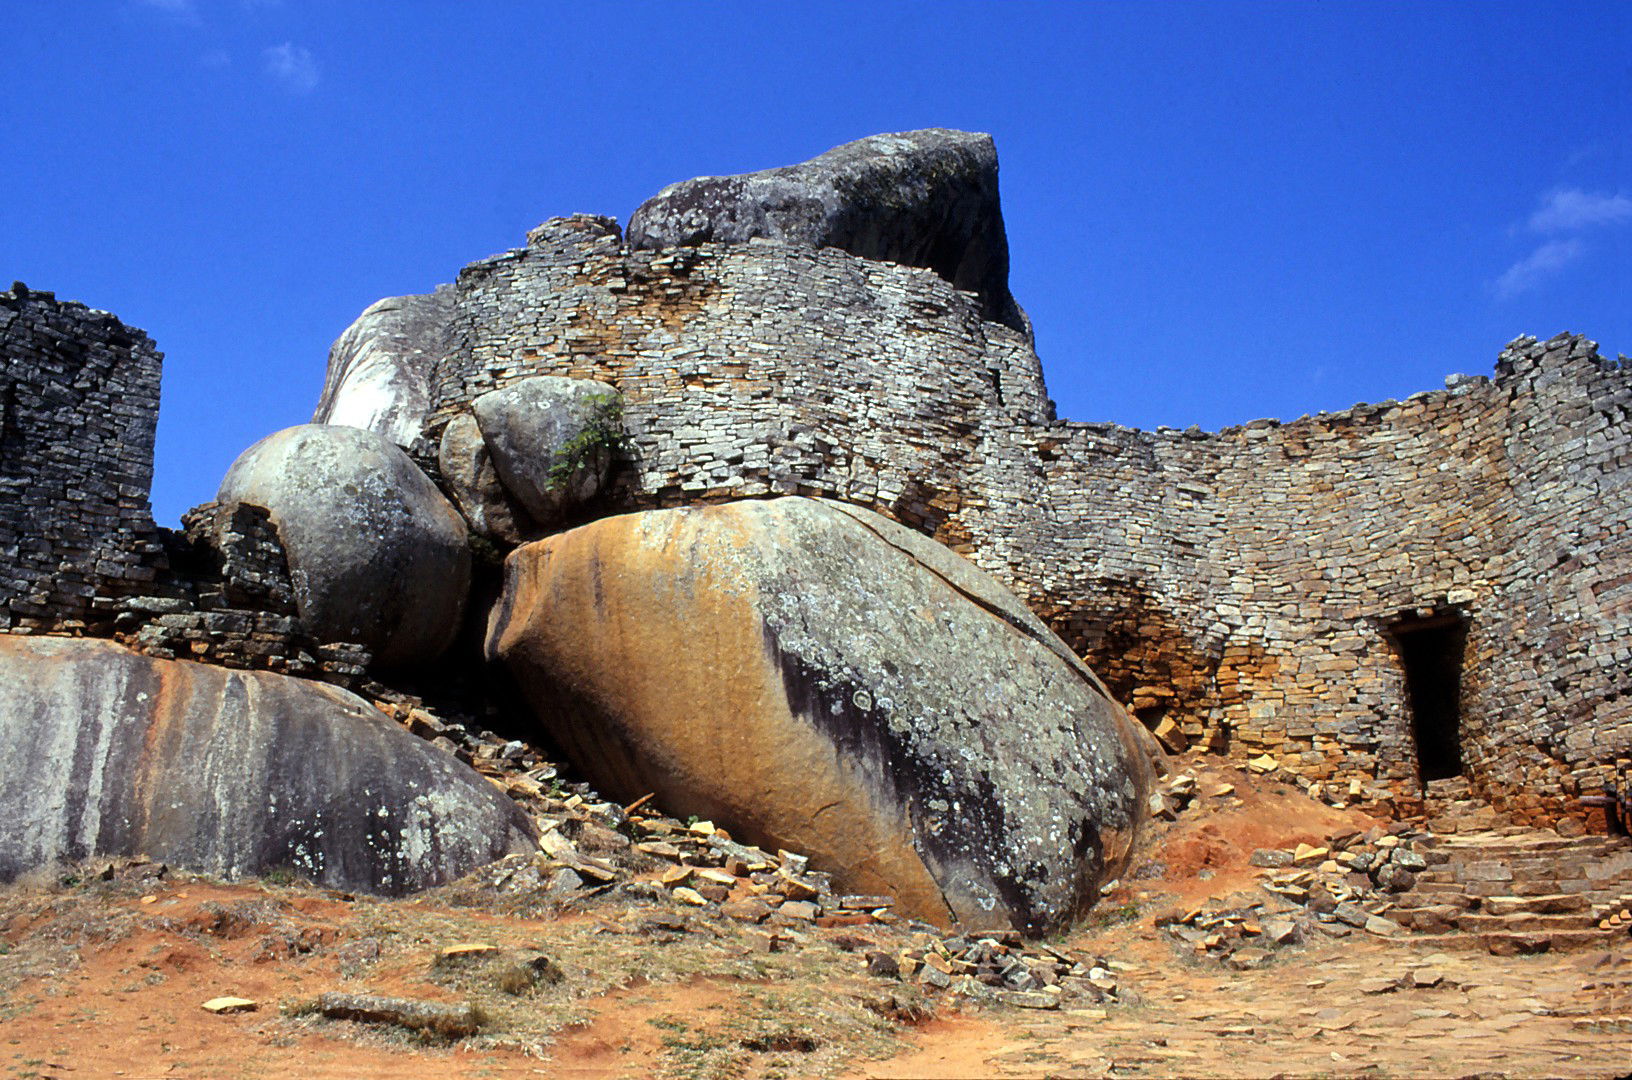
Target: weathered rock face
[[380, 368], [550, 440], [818, 677], [470, 479], [377, 556], [104, 751], [920, 198]]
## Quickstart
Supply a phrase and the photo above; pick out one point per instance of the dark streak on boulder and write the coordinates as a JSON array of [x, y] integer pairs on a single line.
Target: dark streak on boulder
[[228, 772]]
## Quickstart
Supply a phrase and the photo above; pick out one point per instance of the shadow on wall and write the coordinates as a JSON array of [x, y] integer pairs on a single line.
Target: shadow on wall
[[1432, 650]]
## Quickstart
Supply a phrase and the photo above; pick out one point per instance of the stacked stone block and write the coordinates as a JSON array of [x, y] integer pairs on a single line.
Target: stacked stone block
[[231, 602], [764, 370], [79, 403], [1238, 588]]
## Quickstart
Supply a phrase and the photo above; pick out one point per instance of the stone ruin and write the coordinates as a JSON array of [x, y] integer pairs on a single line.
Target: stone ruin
[[1377, 599]]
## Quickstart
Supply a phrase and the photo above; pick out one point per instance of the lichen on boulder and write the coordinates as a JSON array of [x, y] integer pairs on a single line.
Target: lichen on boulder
[[817, 677]]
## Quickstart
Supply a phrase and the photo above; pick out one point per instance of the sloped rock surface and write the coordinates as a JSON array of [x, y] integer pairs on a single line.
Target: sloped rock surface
[[107, 752], [817, 677], [550, 439], [377, 555], [920, 198], [380, 369]]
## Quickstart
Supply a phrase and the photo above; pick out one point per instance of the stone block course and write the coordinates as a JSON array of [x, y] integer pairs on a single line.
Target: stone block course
[[1239, 587], [1241, 584]]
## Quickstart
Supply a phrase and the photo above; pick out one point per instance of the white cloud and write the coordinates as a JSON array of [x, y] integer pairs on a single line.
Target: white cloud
[[1540, 264], [1571, 209], [293, 66]]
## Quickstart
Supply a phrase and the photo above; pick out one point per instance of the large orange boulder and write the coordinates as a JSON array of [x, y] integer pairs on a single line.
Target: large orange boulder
[[817, 677]]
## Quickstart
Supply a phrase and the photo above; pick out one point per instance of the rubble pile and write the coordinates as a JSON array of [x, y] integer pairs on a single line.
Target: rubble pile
[[645, 873]]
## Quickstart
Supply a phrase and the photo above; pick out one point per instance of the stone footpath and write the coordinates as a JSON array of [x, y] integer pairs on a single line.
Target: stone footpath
[[1367, 1007], [1482, 884]]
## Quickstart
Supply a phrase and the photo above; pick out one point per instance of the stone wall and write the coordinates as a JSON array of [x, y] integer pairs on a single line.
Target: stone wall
[[79, 403], [1248, 589], [753, 371], [1254, 590], [1248, 585]]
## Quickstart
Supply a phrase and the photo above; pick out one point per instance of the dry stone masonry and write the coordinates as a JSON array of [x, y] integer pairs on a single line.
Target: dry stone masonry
[[79, 403], [1264, 589], [1373, 600]]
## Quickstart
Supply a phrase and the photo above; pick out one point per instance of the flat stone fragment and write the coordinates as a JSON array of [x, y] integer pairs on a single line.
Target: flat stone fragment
[[1026, 999], [230, 1005], [864, 903], [1380, 926]]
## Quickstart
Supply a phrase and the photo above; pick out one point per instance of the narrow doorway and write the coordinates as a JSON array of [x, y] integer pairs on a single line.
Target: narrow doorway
[[1431, 651]]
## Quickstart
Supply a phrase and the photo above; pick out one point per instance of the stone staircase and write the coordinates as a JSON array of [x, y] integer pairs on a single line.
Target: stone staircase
[[1514, 890], [1450, 806]]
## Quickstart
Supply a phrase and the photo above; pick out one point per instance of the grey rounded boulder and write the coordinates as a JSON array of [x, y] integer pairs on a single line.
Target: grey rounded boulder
[[469, 477], [108, 752], [377, 555], [551, 440], [379, 370], [919, 198]]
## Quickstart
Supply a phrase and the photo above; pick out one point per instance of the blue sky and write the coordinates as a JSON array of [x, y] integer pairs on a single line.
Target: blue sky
[[1216, 212]]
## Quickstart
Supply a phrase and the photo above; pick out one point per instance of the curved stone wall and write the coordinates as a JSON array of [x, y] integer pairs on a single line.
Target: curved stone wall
[[1245, 589], [1244, 586]]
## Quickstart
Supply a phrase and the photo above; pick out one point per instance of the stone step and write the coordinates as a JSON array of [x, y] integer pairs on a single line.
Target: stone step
[[1508, 943], [1539, 848], [1507, 871], [1542, 904], [1437, 919], [1464, 820], [1523, 888], [1523, 923], [1431, 898]]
